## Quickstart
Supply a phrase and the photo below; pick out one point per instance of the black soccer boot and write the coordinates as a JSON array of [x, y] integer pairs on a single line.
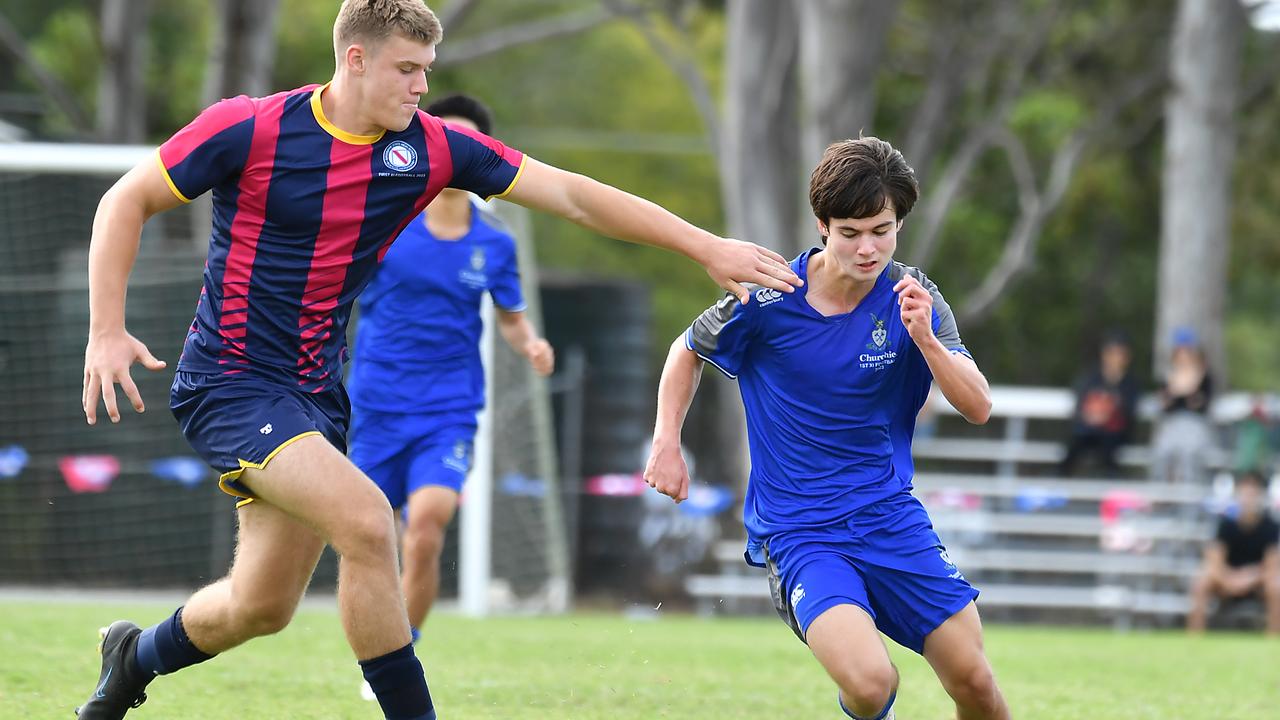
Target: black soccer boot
[[120, 683]]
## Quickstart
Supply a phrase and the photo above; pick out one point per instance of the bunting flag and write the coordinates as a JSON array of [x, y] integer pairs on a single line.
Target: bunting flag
[[617, 485], [12, 460], [89, 473], [185, 470], [1035, 499], [707, 500], [518, 485]]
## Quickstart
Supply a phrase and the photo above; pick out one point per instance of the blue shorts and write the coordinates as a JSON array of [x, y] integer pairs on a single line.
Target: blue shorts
[[241, 421], [403, 453], [886, 559]]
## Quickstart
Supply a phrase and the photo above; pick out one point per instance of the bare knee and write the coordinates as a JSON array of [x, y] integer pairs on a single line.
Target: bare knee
[[1271, 591], [368, 533], [424, 540], [263, 616], [975, 688], [866, 689]]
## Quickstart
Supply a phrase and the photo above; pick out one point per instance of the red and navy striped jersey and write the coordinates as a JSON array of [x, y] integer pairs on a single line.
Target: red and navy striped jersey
[[303, 212]]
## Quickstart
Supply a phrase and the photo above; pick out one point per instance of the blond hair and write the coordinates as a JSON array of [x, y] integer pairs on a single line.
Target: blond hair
[[372, 21]]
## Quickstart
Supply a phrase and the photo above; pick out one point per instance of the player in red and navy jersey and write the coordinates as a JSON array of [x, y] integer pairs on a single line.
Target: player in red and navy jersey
[[310, 187]]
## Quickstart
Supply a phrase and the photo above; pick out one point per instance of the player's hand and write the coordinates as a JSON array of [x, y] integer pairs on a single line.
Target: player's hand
[[915, 306], [107, 358], [542, 358], [733, 262], [666, 471]]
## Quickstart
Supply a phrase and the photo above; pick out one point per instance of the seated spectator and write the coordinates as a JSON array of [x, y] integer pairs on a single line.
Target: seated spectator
[[1256, 435], [1183, 437], [1105, 402], [1243, 559]]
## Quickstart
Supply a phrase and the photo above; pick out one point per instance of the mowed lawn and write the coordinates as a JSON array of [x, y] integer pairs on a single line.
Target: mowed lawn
[[606, 666]]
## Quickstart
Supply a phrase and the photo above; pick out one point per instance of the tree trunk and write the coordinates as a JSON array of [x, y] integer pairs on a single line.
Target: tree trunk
[[242, 57], [121, 91], [840, 58], [758, 176], [243, 53], [1199, 152], [758, 160]]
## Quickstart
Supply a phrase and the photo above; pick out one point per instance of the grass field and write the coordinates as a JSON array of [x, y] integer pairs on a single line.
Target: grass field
[[604, 666]]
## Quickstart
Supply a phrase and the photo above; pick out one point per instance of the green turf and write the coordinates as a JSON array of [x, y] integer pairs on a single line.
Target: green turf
[[598, 666]]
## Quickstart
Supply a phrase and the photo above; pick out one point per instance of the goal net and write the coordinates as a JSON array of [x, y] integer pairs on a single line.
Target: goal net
[[129, 505]]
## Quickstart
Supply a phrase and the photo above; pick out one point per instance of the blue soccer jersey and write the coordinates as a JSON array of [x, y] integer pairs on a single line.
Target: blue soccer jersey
[[417, 347], [830, 401]]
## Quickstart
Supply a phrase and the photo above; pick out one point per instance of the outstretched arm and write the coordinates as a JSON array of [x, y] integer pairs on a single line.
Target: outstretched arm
[[117, 229], [666, 470], [610, 211], [520, 335]]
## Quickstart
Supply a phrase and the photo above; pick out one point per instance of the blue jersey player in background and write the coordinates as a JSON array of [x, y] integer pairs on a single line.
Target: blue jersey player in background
[[832, 377], [417, 380]]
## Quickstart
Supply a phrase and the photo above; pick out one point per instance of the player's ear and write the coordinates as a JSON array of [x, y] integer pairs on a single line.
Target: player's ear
[[355, 58], [822, 228]]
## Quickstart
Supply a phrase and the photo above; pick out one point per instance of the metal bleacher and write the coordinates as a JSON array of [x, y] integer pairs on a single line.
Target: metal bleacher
[[1120, 551]]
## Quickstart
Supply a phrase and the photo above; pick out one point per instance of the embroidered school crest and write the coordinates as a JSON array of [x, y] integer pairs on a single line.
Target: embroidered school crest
[[879, 335]]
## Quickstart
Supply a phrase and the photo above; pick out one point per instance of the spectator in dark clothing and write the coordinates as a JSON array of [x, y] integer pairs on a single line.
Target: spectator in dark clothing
[[1106, 399], [1184, 437], [1243, 559]]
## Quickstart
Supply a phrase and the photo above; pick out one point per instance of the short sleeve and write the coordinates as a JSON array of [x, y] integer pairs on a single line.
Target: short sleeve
[[723, 333], [944, 321], [211, 149], [481, 164], [505, 286]]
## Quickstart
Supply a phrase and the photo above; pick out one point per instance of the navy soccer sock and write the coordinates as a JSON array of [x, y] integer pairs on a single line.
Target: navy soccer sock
[[397, 679], [165, 648]]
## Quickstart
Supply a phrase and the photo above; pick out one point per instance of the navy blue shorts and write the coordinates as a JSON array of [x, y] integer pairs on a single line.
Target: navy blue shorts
[[402, 453], [241, 421], [886, 559]]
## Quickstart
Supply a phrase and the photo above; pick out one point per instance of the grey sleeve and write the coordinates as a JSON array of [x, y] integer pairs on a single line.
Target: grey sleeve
[[945, 330], [722, 333], [705, 332]]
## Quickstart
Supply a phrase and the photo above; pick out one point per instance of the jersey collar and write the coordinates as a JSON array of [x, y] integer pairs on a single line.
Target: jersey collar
[[350, 138]]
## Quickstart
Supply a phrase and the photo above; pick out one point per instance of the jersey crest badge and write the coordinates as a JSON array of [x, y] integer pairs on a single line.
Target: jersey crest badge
[[879, 335], [400, 156]]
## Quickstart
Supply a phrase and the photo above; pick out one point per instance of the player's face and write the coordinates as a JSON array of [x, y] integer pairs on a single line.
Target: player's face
[[396, 79], [1250, 497], [862, 247]]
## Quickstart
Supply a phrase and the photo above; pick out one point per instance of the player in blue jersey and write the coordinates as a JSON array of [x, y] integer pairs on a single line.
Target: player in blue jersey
[[417, 381], [832, 377], [310, 187]]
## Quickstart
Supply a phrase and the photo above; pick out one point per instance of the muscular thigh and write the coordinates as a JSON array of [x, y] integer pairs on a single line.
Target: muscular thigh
[[845, 640], [316, 485], [275, 554], [955, 648]]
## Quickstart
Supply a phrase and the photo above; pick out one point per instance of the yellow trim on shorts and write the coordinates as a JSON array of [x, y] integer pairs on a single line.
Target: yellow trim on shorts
[[514, 180], [169, 180], [246, 464]]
